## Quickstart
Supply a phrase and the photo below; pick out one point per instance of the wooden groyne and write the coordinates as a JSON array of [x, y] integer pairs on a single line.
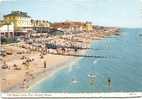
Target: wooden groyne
[[53, 46], [76, 55]]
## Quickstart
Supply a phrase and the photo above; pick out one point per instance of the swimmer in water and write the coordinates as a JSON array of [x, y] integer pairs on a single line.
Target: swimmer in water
[[109, 82]]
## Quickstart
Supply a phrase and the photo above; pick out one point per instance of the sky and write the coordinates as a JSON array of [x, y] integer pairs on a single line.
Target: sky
[[122, 13]]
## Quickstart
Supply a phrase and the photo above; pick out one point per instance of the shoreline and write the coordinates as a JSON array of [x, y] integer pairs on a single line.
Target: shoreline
[[54, 64], [60, 67], [70, 62], [45, 75], [41, 77], [53, 73]]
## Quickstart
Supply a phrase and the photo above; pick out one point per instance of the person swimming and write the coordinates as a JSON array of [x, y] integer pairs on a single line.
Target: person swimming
[[109, 82]]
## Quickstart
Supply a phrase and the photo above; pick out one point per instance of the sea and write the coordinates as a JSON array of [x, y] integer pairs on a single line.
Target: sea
[[119, 71]]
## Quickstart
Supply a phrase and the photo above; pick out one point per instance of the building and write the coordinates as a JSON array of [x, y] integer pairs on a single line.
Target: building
[[22, 22], [88, 26], [6, 29], [40, 26], [70, 26]]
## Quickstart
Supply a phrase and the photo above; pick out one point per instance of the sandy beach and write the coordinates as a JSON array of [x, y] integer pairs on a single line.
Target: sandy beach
[[13, 80], [12, 77], [27, 67]]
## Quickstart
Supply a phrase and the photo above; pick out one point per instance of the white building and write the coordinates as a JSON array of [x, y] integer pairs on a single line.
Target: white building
[[7, 30]]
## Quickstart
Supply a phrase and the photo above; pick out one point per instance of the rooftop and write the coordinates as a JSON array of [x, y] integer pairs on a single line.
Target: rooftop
[[17, 13], [68, 24]]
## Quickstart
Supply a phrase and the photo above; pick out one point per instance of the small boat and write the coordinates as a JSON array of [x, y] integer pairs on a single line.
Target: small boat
[[74, 81], [91, 75]]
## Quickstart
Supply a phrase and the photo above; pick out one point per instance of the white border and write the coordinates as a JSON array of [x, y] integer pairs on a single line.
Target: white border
[[76, 95]]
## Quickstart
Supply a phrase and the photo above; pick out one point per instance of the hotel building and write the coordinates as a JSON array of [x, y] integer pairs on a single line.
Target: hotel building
[[22, 22]]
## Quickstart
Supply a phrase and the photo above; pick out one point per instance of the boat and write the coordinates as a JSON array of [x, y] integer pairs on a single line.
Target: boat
[[91, 75], [74, 81]]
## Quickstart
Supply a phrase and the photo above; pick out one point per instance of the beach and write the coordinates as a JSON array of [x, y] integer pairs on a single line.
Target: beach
[[36, 67], [28, 66]]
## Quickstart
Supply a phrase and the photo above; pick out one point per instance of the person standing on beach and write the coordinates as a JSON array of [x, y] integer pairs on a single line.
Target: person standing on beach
[[44, 64]]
